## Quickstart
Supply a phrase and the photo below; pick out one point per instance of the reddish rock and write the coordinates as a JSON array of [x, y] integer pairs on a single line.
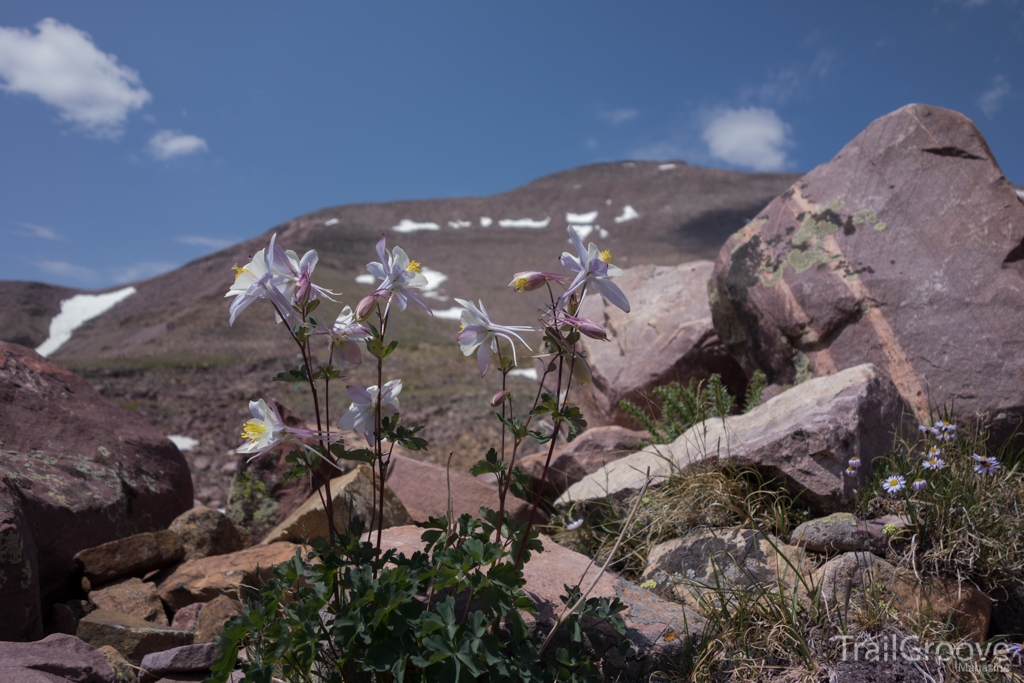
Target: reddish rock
[[667, 336], [134, 555], [58, 657], [132, 637], [204, 532], [423, 488], [131, 596], [655, 626], [76, 471], [184, 659], [204, 579], [587, 453], [61, 619], [906, 250], [213, 616], [187, 617]]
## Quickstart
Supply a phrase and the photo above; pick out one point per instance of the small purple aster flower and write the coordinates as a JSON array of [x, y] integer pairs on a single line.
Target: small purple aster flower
[[919, 485], [894, 484], [944, 430], [854, 462], [986, 464], [933, 463], [851, 471], [1015, 651]]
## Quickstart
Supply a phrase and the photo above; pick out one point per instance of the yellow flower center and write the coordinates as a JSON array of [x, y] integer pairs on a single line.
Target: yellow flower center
[[520, 284], [253, 430], [413, 267], [606, 256], [238, 270]]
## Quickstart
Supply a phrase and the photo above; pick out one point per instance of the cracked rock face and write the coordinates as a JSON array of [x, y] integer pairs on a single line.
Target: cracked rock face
[[667, 336], [906, 251]]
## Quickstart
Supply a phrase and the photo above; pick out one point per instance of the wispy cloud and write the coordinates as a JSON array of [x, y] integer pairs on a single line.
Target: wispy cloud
[[68, 270], [615, 117], [140, 271], [792, 82], [60, 65], [32, 230], [751, 137], [200, 241], [168, 144], [992, 99]]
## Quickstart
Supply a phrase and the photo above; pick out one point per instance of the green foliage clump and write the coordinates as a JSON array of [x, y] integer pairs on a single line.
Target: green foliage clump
[[450, 614], [683, 407]]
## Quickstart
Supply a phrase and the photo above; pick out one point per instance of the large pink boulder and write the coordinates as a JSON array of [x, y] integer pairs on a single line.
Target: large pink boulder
[[76, 471], [905, 251]]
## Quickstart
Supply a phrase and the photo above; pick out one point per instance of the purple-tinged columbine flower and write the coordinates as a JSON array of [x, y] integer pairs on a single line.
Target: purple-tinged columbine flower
[[933, 462], [851, 471], [362, 412], [266, 430], [584, 325], [292, 275], [986, 464], [400, 277], [529, 280], [255, 281], [944, 430], [894, 484], [343, 335], [919, 485], [592, 267], [854, 462], [480, 334]]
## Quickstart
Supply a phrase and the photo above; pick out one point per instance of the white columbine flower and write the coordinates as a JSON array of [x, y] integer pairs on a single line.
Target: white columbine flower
[[266, 429], [362, 413], [894, 484], [291, 276], [479, 334], [592, 267], [275, 274], [400, 275]]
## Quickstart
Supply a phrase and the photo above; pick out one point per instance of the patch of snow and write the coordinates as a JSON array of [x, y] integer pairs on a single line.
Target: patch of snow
[[524, 223], [628, 214], [528, 373], [434, 280], [666, 167], [406, 225], [184, 443], [453, 313], [332, 221], [602, 233], [1020, 193], [459, 225], [365, 279], [583, 230], [485, 221], [578, 218], [629, 164], [74, 312]]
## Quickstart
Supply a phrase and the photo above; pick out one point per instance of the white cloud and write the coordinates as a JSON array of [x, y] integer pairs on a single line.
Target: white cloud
[[992, 99], [61, 66], [620, 115], [168, 144], [65, 269], [140, 271], [200, 241], [753, 137], [33, 230]]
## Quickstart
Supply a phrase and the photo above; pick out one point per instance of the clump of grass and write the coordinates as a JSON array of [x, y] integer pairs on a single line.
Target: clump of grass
[[966, 523], [705, 495]]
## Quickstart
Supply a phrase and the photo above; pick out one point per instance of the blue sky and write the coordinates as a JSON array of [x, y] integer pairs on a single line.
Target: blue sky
[[137, 136]]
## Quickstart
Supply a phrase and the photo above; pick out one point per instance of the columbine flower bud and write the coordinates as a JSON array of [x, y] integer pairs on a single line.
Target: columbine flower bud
[[529, 280], [366, 306], [500, 397], [591, 329]]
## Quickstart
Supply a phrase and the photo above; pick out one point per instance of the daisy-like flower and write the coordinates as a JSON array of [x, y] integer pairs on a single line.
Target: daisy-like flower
[[986, 464], [480, 334], [400, 276], [592, 267], [934, 452], [851, 471], [266, 430], [854, 462], [924, 429], [362, 412], [343, 335], [529, 280], [919, 485], [894, 484], [574, 525], [933, 462], [944, 430]]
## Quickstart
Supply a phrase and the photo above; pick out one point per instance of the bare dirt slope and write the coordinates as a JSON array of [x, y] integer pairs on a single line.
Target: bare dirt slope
[[168, 352]]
